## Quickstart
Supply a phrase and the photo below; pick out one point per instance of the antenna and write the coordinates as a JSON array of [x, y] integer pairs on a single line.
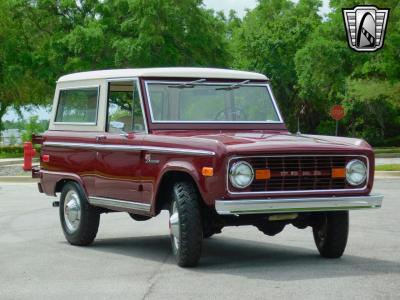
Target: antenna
[[303, 108]]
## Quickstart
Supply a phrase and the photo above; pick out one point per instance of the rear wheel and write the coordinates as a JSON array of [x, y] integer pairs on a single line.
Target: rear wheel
[[331, 232], [79, 220], [185, 224]]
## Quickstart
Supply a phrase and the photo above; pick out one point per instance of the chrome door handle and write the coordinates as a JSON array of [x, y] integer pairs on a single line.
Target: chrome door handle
[[100, 138]]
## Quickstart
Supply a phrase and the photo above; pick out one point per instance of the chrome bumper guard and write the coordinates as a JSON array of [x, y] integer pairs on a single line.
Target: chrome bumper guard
[[266, 206]]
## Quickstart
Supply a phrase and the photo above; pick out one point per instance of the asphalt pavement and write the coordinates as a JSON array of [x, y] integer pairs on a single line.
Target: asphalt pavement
[[133, 260]]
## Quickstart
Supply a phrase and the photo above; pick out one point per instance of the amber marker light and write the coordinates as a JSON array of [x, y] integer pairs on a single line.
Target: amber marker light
[[263, 174], [207, 171], [338, 172]]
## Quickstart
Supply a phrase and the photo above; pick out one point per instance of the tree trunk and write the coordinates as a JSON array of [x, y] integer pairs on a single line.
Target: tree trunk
[[3, 109]]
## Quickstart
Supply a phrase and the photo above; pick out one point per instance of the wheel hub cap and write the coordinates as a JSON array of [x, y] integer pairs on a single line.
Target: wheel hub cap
[[174, 226], [72, 211]]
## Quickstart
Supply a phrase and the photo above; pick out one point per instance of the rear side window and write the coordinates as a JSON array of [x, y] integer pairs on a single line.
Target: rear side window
[[78, 105]]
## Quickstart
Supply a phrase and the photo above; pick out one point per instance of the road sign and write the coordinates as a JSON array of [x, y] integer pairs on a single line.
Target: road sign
[[337, 112]]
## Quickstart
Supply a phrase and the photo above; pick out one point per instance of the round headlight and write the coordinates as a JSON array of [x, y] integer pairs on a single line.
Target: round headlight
[[241, 174], [356, 172]]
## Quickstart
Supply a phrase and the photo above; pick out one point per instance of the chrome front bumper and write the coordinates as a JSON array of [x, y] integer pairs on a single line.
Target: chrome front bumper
[[266, 206]]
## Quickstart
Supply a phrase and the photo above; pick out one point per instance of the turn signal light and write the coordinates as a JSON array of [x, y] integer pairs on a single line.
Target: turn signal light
[[207, 171], [338, 173], [263, 174]]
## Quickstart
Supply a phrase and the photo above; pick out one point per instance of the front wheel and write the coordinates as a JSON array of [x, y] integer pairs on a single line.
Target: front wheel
[[79, 220], [330, 233], [185, 224]]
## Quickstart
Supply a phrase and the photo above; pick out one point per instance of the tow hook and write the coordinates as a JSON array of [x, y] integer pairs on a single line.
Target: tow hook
[[56, 204]]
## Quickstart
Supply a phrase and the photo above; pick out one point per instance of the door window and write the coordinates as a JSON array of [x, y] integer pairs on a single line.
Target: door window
[[124, 108]]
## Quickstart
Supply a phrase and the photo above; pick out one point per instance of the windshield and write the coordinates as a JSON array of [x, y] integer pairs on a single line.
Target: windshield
[[195, 102]]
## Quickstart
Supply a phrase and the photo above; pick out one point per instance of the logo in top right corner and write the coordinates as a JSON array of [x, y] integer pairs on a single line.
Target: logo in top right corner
[[365, 27]]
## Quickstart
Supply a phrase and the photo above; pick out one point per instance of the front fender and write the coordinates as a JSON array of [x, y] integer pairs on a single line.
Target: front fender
[[184, 167]]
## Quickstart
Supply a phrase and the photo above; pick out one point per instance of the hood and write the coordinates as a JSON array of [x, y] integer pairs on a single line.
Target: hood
[[283, 142]]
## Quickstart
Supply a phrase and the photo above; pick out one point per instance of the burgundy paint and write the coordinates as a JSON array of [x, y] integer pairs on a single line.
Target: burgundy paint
[[125, 175]]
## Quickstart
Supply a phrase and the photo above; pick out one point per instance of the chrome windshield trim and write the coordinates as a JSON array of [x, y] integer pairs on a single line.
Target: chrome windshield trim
[[119, 204], [147, 82], [266, 206], [299, 191], [152, 149]]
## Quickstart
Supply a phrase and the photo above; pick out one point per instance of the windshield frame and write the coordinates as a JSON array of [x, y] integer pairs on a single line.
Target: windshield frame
[[217, 83]]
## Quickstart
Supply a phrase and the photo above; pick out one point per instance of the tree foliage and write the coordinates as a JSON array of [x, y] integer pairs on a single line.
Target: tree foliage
[[311, 66]]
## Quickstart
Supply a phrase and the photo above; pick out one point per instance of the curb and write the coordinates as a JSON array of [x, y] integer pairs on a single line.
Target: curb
[[17, 179], [11, 162], [5, 162]]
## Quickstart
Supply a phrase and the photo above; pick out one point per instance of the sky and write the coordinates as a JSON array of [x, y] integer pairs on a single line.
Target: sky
[[239, 6]]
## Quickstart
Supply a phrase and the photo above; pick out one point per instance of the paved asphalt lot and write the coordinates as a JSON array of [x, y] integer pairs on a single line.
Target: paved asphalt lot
[[133, 259]]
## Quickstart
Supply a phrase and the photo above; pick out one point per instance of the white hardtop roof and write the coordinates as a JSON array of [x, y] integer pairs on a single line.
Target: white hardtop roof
[[164, 72]]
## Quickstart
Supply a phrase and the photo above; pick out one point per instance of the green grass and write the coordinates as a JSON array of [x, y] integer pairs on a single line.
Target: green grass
[[387, 150], [11, 155], [393, 167]]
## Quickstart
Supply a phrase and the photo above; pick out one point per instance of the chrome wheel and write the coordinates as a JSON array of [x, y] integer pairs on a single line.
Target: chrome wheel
[[72, 211], [174, 225]]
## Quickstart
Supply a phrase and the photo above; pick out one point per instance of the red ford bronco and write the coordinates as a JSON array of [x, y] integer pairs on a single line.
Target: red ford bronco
[[208, 145]]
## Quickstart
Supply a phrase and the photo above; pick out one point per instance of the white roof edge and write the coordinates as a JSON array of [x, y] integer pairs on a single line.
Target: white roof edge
[[164, 72]]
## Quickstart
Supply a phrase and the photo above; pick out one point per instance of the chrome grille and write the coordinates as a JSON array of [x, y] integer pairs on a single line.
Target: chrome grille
[[299, 173]]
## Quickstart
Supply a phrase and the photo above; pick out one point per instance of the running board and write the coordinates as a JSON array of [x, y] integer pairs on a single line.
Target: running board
[[119, 205]]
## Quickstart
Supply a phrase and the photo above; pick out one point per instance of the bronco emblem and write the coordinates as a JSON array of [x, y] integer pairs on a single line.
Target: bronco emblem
[[365, 27]]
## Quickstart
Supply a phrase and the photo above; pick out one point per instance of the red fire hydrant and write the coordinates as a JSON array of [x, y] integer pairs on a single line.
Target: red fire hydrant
[[29, 153]]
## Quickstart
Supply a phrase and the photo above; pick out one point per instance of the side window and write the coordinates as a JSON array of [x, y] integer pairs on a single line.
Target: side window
[[124, 109], [78, 106]]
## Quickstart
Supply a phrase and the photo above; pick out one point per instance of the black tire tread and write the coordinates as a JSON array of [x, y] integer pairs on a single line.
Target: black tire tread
[[337, 235], [187, 199], [90, 218]]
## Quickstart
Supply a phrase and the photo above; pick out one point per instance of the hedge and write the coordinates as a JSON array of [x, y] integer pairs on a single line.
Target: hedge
[[15, 149]]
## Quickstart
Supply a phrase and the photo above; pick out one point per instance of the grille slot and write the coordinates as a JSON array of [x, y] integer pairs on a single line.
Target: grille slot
[[298, 173]]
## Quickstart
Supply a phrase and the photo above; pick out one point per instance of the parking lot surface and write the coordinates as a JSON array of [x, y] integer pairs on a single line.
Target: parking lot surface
[[131, 259]]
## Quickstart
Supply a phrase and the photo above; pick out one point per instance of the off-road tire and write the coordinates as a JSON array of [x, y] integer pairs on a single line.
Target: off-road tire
[[89, 221], [335, 227], [186, 198]]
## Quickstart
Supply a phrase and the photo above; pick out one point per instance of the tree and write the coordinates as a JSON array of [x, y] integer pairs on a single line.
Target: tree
[[329, 72], [41, 40], [19, 83], [33, 126], [146, 33], [268, 40]]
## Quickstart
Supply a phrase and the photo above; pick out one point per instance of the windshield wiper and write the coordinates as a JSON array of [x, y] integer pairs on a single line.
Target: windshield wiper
[[187, 85], [233, 86]]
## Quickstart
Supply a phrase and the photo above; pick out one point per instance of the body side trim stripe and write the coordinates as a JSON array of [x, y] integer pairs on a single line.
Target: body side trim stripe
[[121, 204], [130, 148]]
